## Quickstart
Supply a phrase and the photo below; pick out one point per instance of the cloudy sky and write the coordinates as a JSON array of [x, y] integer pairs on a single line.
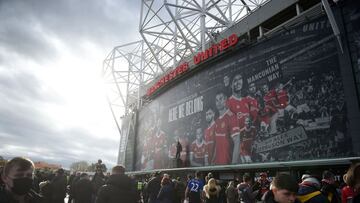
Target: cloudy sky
[[52, 102]]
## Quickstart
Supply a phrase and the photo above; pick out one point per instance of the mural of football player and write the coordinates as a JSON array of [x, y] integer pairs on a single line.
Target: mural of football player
[[271, 107], [282, 96], [198, 156], [247, 136], [147, 161], [284, 108], [225, 126], [252, 97], [159, 140], [238, 105], [209, 135]]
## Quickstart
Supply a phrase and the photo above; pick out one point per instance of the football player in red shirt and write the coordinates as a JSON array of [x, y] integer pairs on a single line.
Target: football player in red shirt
[[198, 148], [240, 106], [209, 135], [225, 126], [159, 143], [271, 107], [252, 98], [247, 137]]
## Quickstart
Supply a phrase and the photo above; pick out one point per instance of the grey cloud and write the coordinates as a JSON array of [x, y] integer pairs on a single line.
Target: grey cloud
[[19, 86], [24, 27], [26, 41], [22, 123], [28, 129], [104, 22], [22, 36]]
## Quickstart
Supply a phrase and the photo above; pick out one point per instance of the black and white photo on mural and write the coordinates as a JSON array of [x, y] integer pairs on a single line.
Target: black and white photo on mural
[[281, 99]]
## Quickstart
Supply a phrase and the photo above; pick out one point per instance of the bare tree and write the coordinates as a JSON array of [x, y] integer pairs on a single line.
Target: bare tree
[[79, 166]]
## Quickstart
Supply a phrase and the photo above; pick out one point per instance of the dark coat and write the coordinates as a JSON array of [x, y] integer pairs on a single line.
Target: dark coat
[[246, 193], [330, 190], [356, 199], [72, 185], [118, 189], [31, 197], [166, 194], [45, 191], [71, 178], [179, 191], [307, 189], [98, 181], [58, 188], [83, 191], [231, 194], [153, 188]]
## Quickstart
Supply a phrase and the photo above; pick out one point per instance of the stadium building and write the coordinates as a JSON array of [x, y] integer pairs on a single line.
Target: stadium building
[[243, 86]]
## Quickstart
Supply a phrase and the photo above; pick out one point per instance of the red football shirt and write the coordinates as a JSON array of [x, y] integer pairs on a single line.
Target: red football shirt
[[223, 130], [209, 136], [241, 108]]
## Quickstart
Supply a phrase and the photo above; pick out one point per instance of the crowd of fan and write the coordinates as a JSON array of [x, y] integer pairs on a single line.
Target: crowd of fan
[[19, 184]]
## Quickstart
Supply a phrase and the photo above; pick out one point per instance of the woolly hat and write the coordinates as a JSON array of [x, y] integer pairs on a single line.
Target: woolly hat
[[304, 176], [311, 181]]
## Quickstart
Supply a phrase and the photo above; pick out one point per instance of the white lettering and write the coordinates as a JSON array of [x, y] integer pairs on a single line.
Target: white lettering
[[181, 110], [187, 108], [173, 114]]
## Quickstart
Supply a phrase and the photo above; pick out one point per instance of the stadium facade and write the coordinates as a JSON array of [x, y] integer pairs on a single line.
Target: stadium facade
[[277, 90]]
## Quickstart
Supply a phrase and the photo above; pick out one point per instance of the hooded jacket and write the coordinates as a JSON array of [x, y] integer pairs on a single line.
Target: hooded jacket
[[118, 189], [308, 186]]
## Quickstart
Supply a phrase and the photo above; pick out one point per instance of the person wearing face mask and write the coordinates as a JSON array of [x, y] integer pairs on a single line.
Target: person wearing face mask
[[17, 178]]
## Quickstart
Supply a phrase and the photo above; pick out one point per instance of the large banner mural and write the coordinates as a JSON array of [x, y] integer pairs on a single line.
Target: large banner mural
[[352, 18], [279, 100]]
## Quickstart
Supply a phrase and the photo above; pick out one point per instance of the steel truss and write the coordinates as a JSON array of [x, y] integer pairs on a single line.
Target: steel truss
[[126, 70], [179, 28], [172, 31]]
